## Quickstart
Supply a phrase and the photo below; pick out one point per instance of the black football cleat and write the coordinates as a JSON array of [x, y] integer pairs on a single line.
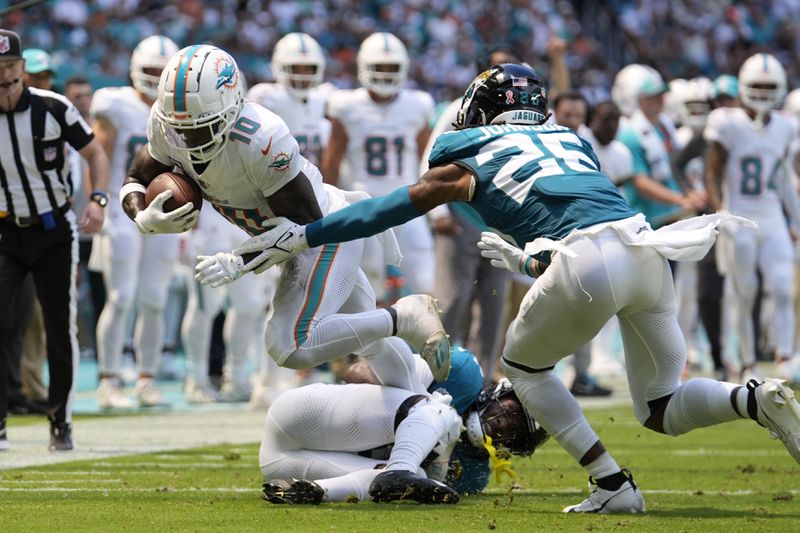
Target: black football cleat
[[61, 437], [397, 485], [294, 491]]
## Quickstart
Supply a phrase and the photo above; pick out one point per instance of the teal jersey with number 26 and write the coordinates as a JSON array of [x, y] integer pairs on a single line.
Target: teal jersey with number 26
[[532, 181]]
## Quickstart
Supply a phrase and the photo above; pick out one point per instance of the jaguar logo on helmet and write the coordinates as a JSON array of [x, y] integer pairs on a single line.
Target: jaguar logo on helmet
[[500, 96]]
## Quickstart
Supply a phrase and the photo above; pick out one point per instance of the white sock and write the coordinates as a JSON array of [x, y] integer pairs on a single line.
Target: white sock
[[356, 484], [338, 335], [417, 435], [551, 404], [603, 466], [700, 403]]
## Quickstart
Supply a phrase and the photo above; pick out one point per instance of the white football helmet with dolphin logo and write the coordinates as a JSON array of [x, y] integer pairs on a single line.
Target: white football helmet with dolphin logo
[[199, 100]]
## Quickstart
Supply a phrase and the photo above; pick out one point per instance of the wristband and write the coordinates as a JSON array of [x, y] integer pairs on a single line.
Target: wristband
[[526, 267], [128, 188]]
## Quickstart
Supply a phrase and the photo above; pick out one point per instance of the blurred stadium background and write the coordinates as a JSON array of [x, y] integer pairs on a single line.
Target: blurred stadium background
[[681, 38]]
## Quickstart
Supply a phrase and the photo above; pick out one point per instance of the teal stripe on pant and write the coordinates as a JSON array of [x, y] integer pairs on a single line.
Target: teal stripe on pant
[[316, 290]]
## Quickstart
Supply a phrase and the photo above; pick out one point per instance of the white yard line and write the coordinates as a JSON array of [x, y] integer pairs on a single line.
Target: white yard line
[[100, 438]]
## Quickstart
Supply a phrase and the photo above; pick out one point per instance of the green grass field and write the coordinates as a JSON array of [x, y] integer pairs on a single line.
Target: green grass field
[[729, 478]]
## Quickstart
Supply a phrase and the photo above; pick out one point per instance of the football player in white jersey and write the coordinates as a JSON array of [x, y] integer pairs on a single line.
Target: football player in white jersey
[[249, 167], [299, 66], [380, 131], [136, 268], [746, 174]]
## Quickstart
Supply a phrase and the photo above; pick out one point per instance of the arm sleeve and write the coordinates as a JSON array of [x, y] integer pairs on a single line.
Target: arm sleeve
[[363, 219]]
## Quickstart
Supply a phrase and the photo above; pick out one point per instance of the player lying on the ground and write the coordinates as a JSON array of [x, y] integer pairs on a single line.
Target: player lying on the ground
[[541, 187], [339, 442]]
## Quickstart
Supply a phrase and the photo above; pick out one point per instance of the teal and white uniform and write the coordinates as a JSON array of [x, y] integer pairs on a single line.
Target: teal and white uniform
[[544, 184], [259, 158], [757, 184]]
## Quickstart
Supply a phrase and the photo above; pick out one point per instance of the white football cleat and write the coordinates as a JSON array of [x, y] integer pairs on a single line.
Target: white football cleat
[[779, 412], [149, 395], [111, 396], [200, 393], [626, 499], [418, 323]]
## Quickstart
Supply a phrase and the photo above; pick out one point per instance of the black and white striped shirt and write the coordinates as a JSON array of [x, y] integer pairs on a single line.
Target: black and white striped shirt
[[35, 173]]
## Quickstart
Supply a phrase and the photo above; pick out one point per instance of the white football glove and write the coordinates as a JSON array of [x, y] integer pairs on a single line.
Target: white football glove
[[218, 269], [503, 254], [284, 241], [153, 219]]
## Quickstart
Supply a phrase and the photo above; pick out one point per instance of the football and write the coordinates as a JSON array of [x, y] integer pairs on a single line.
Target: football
[[183, 189]]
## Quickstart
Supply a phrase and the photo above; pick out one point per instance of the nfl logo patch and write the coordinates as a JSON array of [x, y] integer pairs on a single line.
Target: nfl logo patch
[[5, 44], [50, 154]]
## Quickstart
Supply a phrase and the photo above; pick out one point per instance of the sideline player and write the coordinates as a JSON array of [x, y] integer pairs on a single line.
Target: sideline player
[[540, 186], [137, 268], [247, 163], [747, 175], [298, 96], [380, 131]]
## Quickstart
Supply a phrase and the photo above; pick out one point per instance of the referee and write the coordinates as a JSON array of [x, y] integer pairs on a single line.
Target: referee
[[38, 232]]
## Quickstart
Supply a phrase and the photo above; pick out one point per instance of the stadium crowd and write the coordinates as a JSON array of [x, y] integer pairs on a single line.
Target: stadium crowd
[[684, 38]]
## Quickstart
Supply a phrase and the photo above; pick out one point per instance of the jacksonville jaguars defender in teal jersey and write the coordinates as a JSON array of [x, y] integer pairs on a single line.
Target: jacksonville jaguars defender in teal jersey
[[540, 187]]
